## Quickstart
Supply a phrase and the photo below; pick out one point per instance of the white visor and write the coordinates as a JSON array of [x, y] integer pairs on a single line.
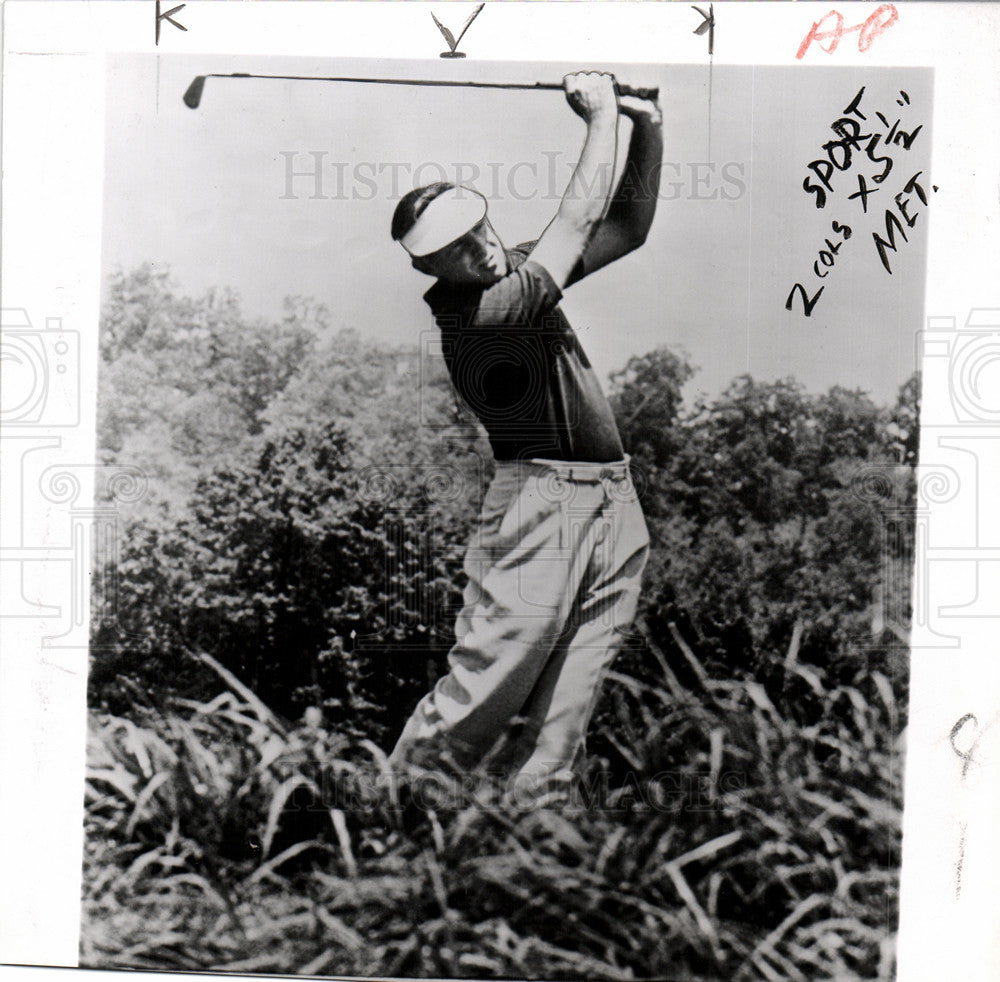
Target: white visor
[[448, 217]]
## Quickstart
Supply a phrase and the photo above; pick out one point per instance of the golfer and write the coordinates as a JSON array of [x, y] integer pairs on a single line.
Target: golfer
[[555, 564]]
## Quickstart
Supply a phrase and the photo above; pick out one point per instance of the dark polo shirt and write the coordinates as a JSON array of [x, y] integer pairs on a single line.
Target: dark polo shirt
[[519, 366]]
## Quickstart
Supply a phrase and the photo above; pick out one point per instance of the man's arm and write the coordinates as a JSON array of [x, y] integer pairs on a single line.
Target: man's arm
[[560, 247], [634, 203]]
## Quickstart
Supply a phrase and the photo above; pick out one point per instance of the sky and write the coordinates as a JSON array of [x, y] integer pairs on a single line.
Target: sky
[[226, 195]]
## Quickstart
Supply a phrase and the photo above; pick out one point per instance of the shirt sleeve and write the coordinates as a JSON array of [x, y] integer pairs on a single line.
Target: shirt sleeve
[[519, 299]]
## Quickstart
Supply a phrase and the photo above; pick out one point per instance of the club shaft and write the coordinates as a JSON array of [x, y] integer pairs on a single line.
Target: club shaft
[[396, 81], [193, 95]]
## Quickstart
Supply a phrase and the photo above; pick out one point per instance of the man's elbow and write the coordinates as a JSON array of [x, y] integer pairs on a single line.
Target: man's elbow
[[636, 238], [623, 245]]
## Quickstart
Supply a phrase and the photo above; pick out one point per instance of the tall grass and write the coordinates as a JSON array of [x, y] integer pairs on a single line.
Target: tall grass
[[728, 829]]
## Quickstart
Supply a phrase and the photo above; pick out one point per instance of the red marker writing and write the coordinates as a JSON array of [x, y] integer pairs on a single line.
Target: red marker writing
[[881, 19]]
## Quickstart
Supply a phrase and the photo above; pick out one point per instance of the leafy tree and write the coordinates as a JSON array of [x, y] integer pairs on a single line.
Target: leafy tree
[[767, 525], [311, 589], [646, 398], [183, 381]]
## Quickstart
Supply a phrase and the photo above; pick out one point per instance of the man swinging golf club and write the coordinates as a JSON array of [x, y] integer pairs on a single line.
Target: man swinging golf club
[[554, 566]]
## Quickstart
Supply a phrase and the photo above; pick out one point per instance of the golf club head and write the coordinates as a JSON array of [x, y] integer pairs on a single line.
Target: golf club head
[[192, 98]]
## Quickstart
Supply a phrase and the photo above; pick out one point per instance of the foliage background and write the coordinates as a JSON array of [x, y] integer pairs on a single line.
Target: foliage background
[[285, 591]]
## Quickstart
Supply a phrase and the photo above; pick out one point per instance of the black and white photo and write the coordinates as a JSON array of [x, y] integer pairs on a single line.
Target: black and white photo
[[499, 491]]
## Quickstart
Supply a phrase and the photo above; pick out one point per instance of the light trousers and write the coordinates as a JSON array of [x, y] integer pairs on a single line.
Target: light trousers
[[554, 571]]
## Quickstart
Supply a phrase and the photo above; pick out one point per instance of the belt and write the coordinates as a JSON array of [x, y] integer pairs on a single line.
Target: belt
[[583, 471]]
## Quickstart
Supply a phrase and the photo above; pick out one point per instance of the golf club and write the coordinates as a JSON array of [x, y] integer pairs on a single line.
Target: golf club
[[192, 97]]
